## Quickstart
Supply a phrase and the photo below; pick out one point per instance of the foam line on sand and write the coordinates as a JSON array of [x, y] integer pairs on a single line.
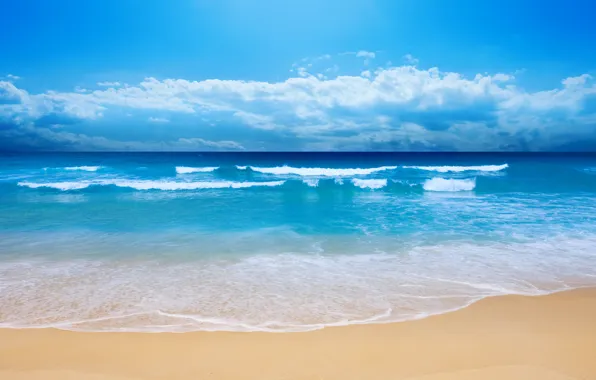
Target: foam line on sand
[[509, 337]]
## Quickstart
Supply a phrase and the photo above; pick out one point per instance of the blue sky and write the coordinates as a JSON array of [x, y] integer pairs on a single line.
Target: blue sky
[[307, 75]]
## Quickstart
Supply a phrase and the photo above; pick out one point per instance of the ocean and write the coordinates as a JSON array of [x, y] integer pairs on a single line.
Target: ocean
[[284, 242]]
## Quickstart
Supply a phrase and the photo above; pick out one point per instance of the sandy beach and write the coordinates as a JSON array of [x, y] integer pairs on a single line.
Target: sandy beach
[[512, 337]]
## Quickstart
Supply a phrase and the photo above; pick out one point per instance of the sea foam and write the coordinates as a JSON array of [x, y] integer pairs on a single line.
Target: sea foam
[[456, 169], [168, 185], [311, 182], [320, 172], [64, 186], [445, 184], [152, 185], [83, 168], [188, 170], [352, 287], [373, 184]]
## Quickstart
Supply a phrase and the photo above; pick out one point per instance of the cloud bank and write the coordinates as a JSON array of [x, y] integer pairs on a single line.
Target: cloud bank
[[387, 108]]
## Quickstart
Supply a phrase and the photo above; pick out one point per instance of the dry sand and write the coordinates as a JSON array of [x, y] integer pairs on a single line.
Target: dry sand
[[505, 338]]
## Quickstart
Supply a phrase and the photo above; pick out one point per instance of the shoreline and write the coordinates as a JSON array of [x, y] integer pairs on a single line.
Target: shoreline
[[311, 328], [544, 337]]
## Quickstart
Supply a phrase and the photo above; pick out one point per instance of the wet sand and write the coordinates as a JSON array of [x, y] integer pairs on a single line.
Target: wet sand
[[512, 337]]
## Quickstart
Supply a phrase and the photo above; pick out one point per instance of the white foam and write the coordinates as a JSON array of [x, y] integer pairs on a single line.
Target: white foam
[[64, 186], [84, 168], [369, 183], [151, 185], [188, 169], [239, 167], [320, 172], [311, 182], [446, 169], [446, 184], [351, 287], [168, 185]]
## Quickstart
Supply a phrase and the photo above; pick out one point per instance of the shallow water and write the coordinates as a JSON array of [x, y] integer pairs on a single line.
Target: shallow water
[[284, 242]]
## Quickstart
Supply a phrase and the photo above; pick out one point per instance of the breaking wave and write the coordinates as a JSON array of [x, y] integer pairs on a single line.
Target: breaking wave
[[82, 168], [373, 184], [188, 170], [151, 185], [434, 184], [320, 172], [457, 169], [446, 184], [311, 182]]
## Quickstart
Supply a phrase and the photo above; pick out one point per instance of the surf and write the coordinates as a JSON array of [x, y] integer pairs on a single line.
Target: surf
[[459, 169], [449, 185], [321, 172], [190, 170], [151, 185]]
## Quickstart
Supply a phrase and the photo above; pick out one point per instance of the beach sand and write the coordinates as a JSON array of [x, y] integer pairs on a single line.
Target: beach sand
[[506, 338]]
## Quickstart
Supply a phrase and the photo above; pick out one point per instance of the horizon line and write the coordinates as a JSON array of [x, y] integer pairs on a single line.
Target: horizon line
[[292, 152]]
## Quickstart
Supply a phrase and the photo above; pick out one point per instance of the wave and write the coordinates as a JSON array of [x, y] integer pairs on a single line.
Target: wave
[[349, 286], [311, 182], [434, 184], [373, 184], [457, 169], [64, 186], [83, 168], [445, 184], [188, 169], [320, 172], [151, 185]]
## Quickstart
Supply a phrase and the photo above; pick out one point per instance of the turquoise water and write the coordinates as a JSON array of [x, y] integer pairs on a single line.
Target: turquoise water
[[284, 241]]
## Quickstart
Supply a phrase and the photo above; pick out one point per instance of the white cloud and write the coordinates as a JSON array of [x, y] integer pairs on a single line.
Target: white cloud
[[576, 81], [13, 77], [332, 70], [377, 107], [158, 120], [406, 86], [218, 145], [255, 120], [302, 71], [12, 100], [308, 62], [31, 137], [411, 60], [109, 84], [366, 54]]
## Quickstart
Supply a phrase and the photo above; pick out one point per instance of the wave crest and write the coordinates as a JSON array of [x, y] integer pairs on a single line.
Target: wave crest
[[311, 182], [64, 186], [188, 169], [373, 184], [319, 172], [452, 185], [457, 169], [151, 185], [83, 168]]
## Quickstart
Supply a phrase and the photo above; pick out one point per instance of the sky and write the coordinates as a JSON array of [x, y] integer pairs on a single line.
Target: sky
[[308, 75]]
